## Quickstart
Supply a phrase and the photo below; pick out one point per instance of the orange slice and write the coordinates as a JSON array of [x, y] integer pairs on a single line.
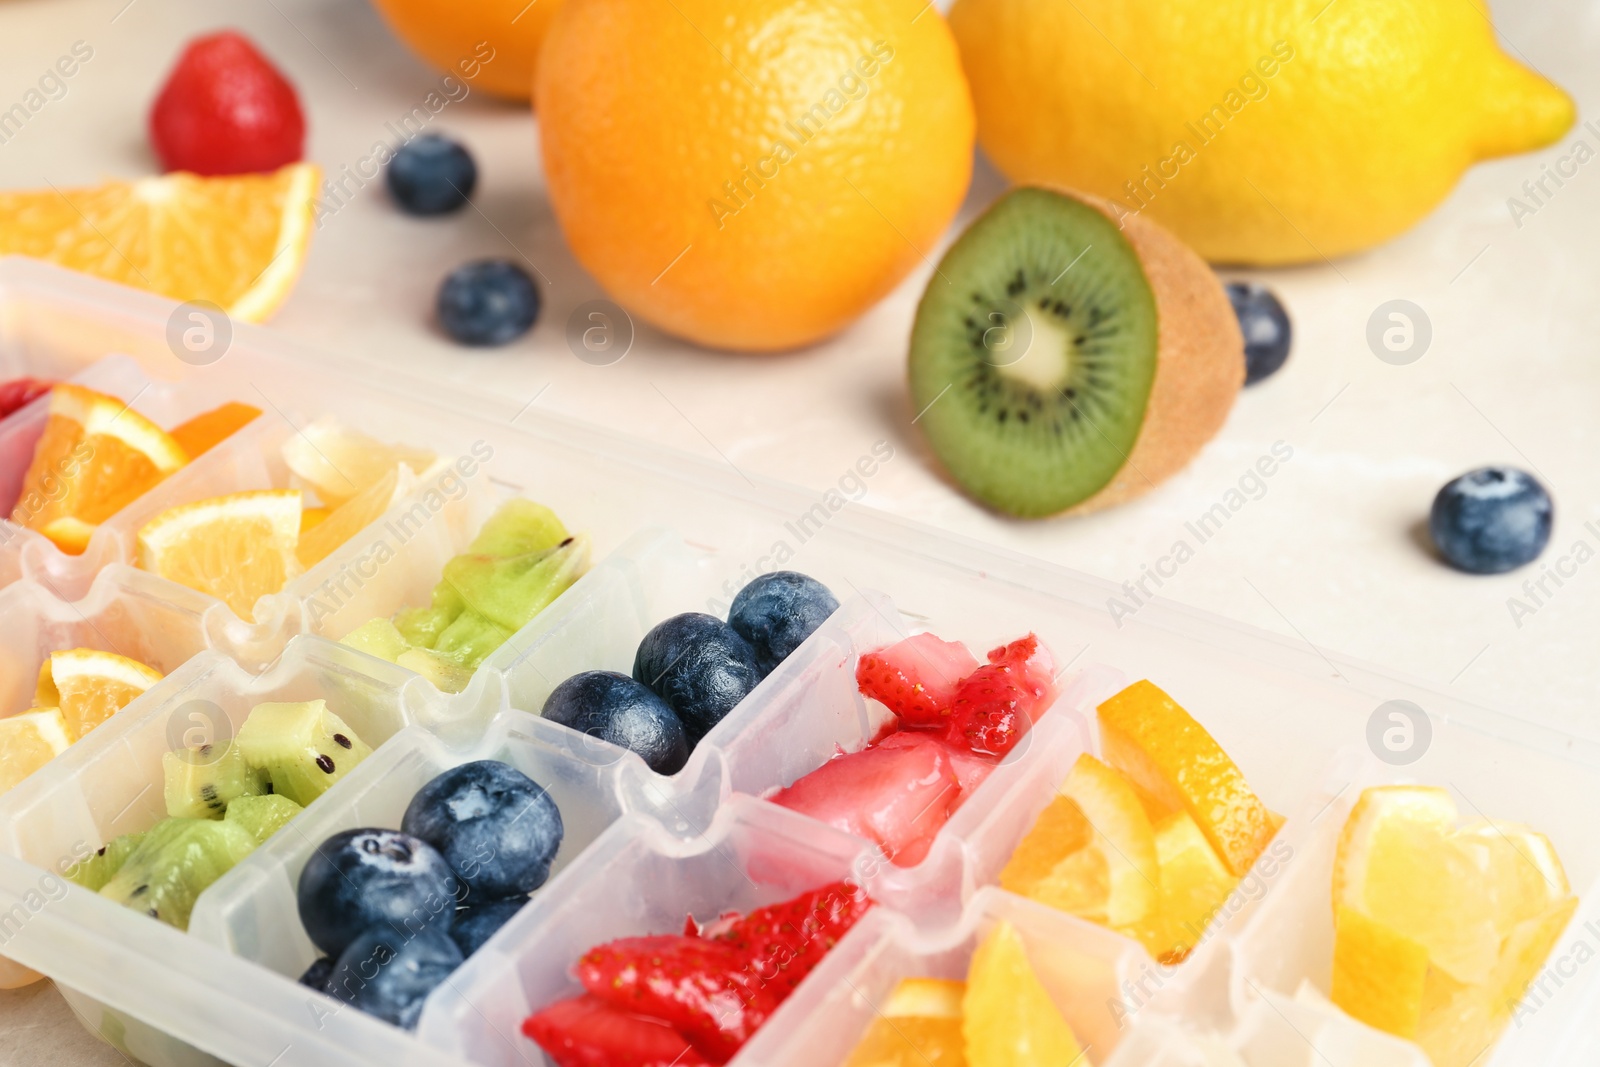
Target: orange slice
[[28, 742], [90, 686], [1194, 884], [354, 515], [1171, 757], [1009, 1018], [339, 462], [918, 1026], [311, 518], [95, 457], [209, 429], [237, 548], [237, 242], [1379, 974]]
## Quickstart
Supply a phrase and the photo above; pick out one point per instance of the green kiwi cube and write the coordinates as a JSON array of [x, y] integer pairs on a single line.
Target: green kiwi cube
[[201, 781], [98, 869], [177, 860], [262, 816], [303, 748]]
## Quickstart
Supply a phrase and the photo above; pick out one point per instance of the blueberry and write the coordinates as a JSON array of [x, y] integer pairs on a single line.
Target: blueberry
[[316, 976], [700, 666], [1265, 326], [494, 825], [475, 925], [778, 611], [389, 976], [361, 879], [431, 175], [487, 302], [618, 709], [1491, 520]]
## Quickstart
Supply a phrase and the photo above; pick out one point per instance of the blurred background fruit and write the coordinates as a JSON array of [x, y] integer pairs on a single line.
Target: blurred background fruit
[[491, 44], [774, 178], [225, 109], [237, 242], [1261, 131]]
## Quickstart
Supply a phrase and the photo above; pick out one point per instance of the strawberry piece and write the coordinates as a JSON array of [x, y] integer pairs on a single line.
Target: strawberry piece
[[703, 989], [916, 678], [783, 942], [898, 797], [997, 703], [225, 109], [971, 768], [587, 1032], [19, 392]]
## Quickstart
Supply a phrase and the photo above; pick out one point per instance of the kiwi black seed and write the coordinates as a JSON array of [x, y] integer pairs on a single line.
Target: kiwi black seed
[[1034, 352]]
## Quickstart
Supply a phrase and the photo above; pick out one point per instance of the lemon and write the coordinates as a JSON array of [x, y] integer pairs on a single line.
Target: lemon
[[1261, 131], [28, 742], [1009, 1018]]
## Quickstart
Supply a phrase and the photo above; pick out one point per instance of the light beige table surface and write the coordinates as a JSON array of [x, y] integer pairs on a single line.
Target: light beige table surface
[[1329, 555]]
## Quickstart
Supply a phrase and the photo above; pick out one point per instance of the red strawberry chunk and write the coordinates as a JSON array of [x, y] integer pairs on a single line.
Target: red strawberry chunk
[[703, 989], [916, 678], [587, 1032], [896, 796], [971, 768], [18, 392], [997, 703], [783, 942]]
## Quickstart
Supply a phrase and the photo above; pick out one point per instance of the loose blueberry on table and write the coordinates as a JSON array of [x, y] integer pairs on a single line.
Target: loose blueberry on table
[[396, 911], [1266, 329], [488, 302], [431, 175], [1491, 520]]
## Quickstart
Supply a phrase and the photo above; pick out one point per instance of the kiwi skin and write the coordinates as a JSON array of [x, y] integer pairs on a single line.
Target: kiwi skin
[[1195, 370], [1199, 361]]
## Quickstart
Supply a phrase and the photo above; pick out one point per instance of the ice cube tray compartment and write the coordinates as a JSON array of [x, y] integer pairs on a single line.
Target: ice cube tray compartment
[[752, 855], [1279, 707], [252, 910], [1080, 965]]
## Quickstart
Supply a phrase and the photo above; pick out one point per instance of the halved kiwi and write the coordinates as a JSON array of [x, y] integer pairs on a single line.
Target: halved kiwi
[[1063, 360]]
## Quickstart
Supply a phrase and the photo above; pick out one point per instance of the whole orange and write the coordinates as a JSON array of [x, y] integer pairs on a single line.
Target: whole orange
[[752, 174], [491, 45]]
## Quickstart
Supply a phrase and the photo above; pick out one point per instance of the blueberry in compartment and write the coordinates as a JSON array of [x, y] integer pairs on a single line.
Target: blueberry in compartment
[[623, 711], [389, 975], [477, 924], [700, 666], [1491, 520], [366, 879], [431, 175], [316, 976], [777, 612], [497, 828]]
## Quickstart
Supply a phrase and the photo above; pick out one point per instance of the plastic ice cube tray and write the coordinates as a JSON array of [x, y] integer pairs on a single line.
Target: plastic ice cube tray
[[671, 533]]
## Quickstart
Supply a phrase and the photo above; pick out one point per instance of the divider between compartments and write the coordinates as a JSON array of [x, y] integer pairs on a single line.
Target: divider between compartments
[[636, 880]]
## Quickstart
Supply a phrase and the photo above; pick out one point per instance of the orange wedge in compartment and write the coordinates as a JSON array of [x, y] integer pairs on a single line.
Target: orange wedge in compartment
[[1009, 1018], [207, 430], [1092, 852], [95, 457], [918, 1026], [237, 242], [237, 548], [354, 515], [28, 742], [1172, 759], [90, 686]]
